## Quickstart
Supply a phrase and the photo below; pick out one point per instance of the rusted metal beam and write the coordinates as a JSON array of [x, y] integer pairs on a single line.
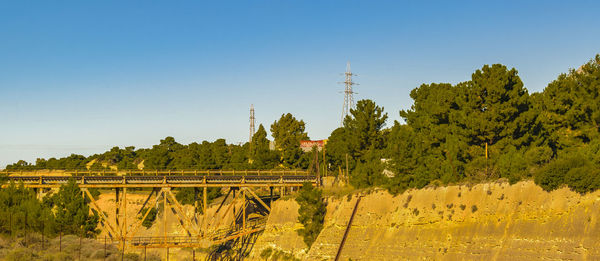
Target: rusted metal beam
[[182, 213], [106, 222], [227, 211], [258, 199], [139, 224], [223, 202], [146, 201]]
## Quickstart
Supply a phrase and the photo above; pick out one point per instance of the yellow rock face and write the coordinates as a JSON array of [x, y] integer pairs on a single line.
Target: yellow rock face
[[280, 232], [494, 221]]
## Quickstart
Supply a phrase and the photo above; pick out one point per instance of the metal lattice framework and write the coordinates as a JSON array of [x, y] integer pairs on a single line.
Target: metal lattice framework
[[242, 186]]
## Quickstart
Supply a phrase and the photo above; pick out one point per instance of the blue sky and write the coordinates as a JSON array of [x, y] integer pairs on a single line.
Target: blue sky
[[83, 76]]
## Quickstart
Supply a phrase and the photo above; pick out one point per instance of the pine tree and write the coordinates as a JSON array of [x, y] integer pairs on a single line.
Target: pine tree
[[72, 211], [288, 132], [311, 213]]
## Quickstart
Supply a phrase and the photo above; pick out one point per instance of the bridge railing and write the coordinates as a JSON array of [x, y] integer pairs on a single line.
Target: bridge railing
[[277, 172]]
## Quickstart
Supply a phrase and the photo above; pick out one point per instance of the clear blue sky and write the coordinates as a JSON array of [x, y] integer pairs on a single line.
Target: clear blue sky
[[83, 76]]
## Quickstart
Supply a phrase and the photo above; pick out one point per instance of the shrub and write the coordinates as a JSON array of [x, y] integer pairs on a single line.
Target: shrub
[[150, 218], [584, 179], [552, 176], [473, 208]]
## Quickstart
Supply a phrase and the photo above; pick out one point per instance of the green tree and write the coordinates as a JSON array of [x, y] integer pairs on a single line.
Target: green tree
[[364, 126], [338, 145], [311, 213], [20, 210], [261, 156], [288, 132], [570, 107], [363, 139], [72, 211], [431, 146], [495, 110]]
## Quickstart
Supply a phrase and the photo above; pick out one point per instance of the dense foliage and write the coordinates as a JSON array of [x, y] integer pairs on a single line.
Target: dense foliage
[[486, 128], [72, 213], [287, 133], [311, 213], [65, 211]]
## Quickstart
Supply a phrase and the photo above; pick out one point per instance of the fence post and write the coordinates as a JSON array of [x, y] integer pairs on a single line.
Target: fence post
[[80, 235], [25, 228], [42, 235]]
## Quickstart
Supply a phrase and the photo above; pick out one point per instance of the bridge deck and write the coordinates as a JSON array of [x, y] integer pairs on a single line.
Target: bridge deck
[[166, 181]]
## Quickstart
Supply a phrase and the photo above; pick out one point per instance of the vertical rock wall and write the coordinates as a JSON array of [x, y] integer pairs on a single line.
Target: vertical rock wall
[[494, 221]]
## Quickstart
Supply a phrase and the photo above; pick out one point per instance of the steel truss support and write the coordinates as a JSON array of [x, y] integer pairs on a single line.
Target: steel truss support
[[123, 228]]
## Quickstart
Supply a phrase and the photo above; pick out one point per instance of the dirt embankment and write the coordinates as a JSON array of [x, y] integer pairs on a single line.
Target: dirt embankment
[[494, 221]]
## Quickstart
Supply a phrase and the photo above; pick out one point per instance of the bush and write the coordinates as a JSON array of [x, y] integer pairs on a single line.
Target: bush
[[553, 175], [150, 218], [583, 179]]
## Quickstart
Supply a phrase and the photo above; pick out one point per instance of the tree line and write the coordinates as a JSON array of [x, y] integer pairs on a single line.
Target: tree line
[[486, 128], [171, 155]]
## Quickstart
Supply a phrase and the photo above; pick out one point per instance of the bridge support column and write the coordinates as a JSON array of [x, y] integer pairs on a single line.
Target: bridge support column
[[204, 200], [117, 223], [244, 209], [196, 205], [233, 204], [124, 228], [165, 190], [271, 197]]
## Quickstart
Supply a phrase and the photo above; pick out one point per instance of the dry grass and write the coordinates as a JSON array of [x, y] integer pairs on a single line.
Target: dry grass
[[91, 249]]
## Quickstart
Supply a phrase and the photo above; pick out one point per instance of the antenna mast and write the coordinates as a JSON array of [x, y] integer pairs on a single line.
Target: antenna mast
[[251, 122], [348, 99]]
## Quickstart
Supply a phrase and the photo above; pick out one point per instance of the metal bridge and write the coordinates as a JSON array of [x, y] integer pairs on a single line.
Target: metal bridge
[[165, 181], [242, 187]]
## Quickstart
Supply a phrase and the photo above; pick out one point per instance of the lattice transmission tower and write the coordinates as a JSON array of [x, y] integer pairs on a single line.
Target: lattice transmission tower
[[348, 92], [251, 122]]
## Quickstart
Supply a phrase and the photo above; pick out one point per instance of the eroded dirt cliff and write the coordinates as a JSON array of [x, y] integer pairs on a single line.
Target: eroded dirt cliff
[[494, 221]]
